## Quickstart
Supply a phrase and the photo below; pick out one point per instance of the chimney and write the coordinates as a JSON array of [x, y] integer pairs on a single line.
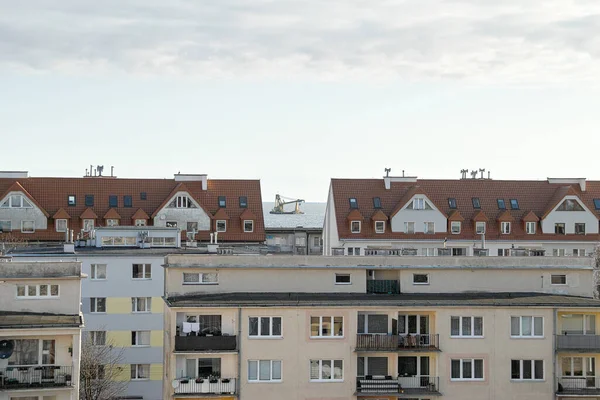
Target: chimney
[[193, 178]]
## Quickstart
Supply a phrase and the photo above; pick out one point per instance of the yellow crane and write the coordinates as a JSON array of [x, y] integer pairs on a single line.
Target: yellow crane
[[279, 203]]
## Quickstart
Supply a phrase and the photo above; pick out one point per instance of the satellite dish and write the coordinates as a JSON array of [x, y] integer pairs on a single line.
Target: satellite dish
[[6, 348], [175, 384]]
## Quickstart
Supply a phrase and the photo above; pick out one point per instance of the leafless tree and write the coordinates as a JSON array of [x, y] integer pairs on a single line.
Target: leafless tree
[[596, 275], [101, 366]]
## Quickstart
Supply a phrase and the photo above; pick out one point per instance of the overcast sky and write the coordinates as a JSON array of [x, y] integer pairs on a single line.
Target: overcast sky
[[297, 92]]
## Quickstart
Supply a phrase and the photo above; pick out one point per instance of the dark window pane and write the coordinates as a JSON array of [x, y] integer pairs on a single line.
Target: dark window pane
[[243, 202], [377, 366], [479, 369], [597, 204], [527, 369], [113, 201], [89, 200], [253, 326], [515, 369], [276, 330], [353, 202], [467, 366], [501, 204], [476, 203], [265, 326], [127, 201], [407, 366], [376, 202], [455, 374], [222, 202], [452, 202], [514, 204], [539, 369], [143, 196]]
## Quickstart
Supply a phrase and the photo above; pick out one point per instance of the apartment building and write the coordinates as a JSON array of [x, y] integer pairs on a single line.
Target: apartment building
[[467, 217], [273, 327], [120, 230], [40, 330]]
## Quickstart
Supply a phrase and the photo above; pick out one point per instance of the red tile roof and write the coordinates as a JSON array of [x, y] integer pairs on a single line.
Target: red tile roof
[[61, 214], [247, 215], [17, 187], [533, 197], [505, 216], [379, 216], [50, 194], [221, 214], [354, 215], [455, 215], [88, 214], [112, 214], [140, 214]]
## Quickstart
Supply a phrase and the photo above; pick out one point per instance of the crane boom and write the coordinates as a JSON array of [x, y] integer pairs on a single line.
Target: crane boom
[[279, 203]]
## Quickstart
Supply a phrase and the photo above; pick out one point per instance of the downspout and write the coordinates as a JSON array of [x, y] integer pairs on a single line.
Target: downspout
[[554, 328], [239, 344]]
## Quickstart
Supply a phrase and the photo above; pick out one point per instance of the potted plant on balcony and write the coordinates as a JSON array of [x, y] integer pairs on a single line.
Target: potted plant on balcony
[[213, 378], [199, 380], [184, 380], [226, 380]]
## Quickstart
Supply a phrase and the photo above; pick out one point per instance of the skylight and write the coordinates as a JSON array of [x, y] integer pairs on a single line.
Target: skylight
[[452, 202], [514, 204], [476, 203], [597, 204], [376, 202], [353, 202], [501, 204]]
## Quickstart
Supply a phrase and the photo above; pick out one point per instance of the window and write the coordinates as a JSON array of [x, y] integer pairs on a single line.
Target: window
[[353, 202], [89, 200], [570, 205], [527, 370], [71, 200], [222, 201], [514, 204], [127, 201], [113, 201], [530, 228], [420, 279], [16, 201], [558, 252], [501, 204], [248, 225], [37, 291], [429, 251], [419, 203], [479, 228], [409, 227], [429, 227], [379, 226], [181, 201], [98, 272], [466, 326], [221, 225], [559, 228], [5, 226], [26, 352], [372, 323], [355, 226], [207, 367], [61, 225], [597, 204], [28, 226], [455, 227], [140, 372], [558, 279], [192, 227], [476, 203], [98, 304], [171, 224], [377, 202], [243, 202], [354, 251], [88, 225], [264, 370], [579, 228], [467, 369], [140, 338], [316, 241], [526, 326], [140, 222], [141, 271], [505, 228], [579, 252], [143, 196], [342, 279], [264, 326], [98, 338], [200, 278], [324, 327], [580, 367], [327, 370], [112, 222], [141, 304], [452, 202]]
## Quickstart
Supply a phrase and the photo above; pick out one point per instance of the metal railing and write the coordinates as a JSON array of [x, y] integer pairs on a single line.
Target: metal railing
[[403, 384], [382, 342], [35, 377], [584, 343], [580, 385], [205, 386], [383, 286], [205, 343]]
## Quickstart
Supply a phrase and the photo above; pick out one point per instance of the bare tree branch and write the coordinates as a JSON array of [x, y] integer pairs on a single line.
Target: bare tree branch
[[101, 366]]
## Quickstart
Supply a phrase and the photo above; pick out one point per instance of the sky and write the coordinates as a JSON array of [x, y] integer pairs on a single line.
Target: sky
[[298, 92]]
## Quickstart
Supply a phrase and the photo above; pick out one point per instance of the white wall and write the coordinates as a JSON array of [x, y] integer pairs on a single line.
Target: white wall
[[16, 215], [419, 217], [330, 232], [183, 215], [569, 218]]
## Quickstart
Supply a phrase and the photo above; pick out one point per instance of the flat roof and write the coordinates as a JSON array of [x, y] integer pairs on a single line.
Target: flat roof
[[21, 320]]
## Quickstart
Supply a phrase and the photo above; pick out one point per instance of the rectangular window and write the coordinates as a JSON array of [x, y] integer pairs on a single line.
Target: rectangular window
[[342, 279], [355, 226], [88, 225], [476, 203], [243, 202], [527, 326], [112, 222], [379, 226], [98, 304], [353, 202], [527, 370], [141, 271], [140, 372], [140, 338], [558, 252], [409, 227], [514, 204], [480, 227], [455, 227], [505, 228], [429, 228], [25, 352], [558, 279], [113, 201], [37, 291], [222, 201], [264, 327], [221, 225], [326, 327], [326, 370], [248, 225], [5, 226], [530, 228], [579, 252], [466, 326], [127, 201], [98, 272], [419, 203], [143, 196], [200, 278], [140, 222], [420, 279], [61, 225], [372, 323], [264, 371], [376, 202], [71, 200], [597, 204], [559, 228], [466, 369], [98, 338], [141, 304], [452, 202], [579, 228], [89, 200], [501, 204], [28, 226]]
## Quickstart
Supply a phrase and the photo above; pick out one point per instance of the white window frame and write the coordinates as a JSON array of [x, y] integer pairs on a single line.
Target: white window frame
[[145, 269], [533, 333], [461, 360], [579, 253], [530, 227], [407, 226], [381, 228], [147, 305], [140, 222], [505, 227], [460, 327], [9, 201], [420, 283], [331, 318], [112, 222], [271, 379], [38, 290], [251, 222], [478, 225], [352, 230], [88, 225], [137, 372], [135, 338], [521, 370], [94, 272], [224, 223], [586, 363], [201, 276], [426, 228], [584, 228], [23, 227], [59, 221], [94, 305], [95, 337], [343, 283], [456, 224], [418, 203], [321, 379], [259, 334], [559, 284]]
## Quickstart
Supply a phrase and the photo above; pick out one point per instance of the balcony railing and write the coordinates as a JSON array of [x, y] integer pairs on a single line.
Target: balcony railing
[[411, 385], [579, 385], [383, 286], [205, 343], [205, 386], [381, 342], [35, 377], [578, 343]]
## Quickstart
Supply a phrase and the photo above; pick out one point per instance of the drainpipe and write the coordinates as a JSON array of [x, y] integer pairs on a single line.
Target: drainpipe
[[554, 328], [239, 344]]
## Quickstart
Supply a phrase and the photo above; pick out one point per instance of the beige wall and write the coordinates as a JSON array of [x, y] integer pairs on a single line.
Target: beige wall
[[67, 301]]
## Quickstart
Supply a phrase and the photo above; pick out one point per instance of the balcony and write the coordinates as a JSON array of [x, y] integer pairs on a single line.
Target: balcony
[[205, 343], [382, 342], [383, 286], [578, 385], [412, 386], [578, 343], [34, 377], [186, 386]]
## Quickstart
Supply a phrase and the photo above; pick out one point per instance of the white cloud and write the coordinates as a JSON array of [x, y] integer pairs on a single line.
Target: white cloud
[[472, 40]]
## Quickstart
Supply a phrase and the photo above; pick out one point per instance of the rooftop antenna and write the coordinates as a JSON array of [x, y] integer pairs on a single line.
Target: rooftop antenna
[[474, 174], [403, 173], [464, 173], [387, 172], [482, 170], [489, 175], [100, 169]]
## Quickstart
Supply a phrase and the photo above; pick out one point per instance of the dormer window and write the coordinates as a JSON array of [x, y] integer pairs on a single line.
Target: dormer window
[[248, 226], [221, 225], [61, 225], [353, 202], [355, 226], [16, 201], [452, 203], [480, 227], [376, 202], [476, 203], [530, 228], [505, 227], [182, 202], [501, 204], [570, 205], [379, 226], [140, 222], [112, 222], [514, 204], [455, 227]]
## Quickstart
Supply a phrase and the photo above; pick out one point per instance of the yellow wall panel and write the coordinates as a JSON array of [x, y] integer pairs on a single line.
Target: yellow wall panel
[[156, 372], [124, 374], [118, 305], [119, 338], [158, 305], [156, 338]]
